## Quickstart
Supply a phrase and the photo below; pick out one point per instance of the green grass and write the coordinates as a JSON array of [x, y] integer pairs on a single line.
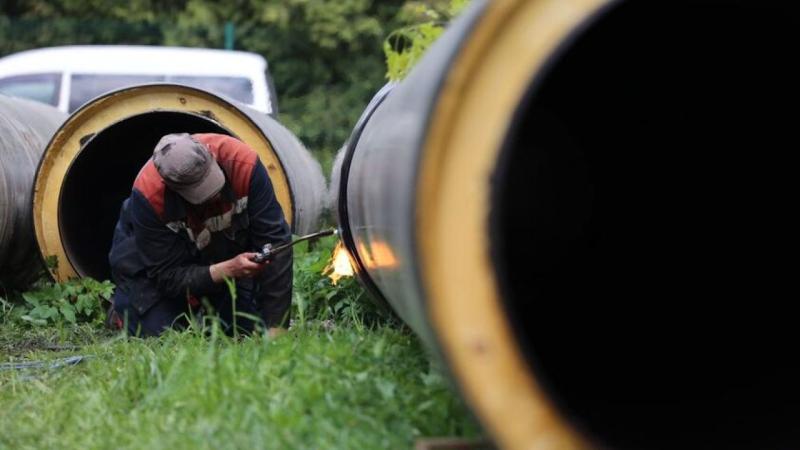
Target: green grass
[[343, 377], [310, 388]]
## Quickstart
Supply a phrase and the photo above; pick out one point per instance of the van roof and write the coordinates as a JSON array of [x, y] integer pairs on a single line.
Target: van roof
[[133, 59]]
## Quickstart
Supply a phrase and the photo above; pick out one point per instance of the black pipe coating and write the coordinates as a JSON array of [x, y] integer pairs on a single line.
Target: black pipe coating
[[25, 128], [641, 228]]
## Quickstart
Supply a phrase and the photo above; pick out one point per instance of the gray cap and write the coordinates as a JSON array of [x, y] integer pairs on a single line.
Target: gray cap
[[188, 168]]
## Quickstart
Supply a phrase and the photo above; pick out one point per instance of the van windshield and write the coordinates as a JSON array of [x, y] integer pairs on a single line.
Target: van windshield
[[88, 86], [85, 87], [237, 88]]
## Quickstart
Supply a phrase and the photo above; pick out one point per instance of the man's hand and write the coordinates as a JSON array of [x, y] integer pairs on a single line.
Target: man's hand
[[240, 266]]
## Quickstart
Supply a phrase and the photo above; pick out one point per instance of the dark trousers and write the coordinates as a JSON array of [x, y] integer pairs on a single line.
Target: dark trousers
[[176, 312]]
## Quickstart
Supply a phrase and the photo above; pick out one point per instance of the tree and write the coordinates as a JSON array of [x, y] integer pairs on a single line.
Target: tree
[[325, 56]]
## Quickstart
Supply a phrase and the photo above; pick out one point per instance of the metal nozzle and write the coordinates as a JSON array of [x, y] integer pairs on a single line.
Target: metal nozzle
[[268, 251]]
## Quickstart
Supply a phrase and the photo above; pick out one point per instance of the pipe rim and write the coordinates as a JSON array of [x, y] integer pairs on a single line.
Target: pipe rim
[[94, 117], [343, 218], [459, 280]]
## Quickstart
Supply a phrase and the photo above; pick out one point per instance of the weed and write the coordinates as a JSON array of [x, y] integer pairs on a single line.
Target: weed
[[341, 377], [404, 47], [309, 388], [72, 301], [316, 298]]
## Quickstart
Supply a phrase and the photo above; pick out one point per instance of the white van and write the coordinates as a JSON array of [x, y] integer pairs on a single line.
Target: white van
[[67, 77]]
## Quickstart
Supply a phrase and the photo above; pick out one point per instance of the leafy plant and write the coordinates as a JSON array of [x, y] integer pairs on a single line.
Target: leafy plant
[[405, 46], [6, 307], [325, 56], [72, 301], [316, 298]]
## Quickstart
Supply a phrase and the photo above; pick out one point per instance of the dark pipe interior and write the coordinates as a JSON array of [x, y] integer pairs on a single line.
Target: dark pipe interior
[[643, 231], [101, 177]]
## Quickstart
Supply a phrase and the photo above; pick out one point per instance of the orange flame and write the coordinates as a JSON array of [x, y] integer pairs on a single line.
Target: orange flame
[[340, 264]]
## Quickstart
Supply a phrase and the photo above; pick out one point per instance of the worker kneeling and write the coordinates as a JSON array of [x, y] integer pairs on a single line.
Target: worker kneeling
[[197, 210]]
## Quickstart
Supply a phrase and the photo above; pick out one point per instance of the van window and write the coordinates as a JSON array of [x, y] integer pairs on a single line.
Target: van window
[[237, 88], [88, 86], [41, 87]]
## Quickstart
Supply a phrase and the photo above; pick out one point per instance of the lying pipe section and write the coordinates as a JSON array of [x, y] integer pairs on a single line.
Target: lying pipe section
[[88, 168], [582, 206], [25, 128]]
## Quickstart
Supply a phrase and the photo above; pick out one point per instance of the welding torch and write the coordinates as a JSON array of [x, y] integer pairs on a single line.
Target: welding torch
[[269, 251]]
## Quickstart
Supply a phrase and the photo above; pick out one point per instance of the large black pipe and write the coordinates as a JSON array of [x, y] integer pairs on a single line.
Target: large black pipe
[[585, 207], [25, 128]]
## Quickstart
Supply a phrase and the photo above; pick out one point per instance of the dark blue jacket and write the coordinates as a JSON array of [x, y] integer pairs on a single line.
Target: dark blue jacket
[[163, 246]]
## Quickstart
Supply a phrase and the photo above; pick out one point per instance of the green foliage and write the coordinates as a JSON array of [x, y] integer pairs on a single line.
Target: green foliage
[[405, 46], [26, 24], [456, 6], [309, 388], [6, 309], [73, 301], [20, 341], [325, 56], [316, 298]]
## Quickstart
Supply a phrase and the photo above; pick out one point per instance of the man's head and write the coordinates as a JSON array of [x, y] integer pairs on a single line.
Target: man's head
[[188, 168]]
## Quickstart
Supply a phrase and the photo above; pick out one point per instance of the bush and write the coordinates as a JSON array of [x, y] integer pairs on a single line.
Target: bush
[[317, 298], [427, 20], [49, 303]]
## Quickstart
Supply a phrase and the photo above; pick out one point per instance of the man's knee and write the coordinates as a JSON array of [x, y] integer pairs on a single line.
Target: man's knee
[[161, 316]]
